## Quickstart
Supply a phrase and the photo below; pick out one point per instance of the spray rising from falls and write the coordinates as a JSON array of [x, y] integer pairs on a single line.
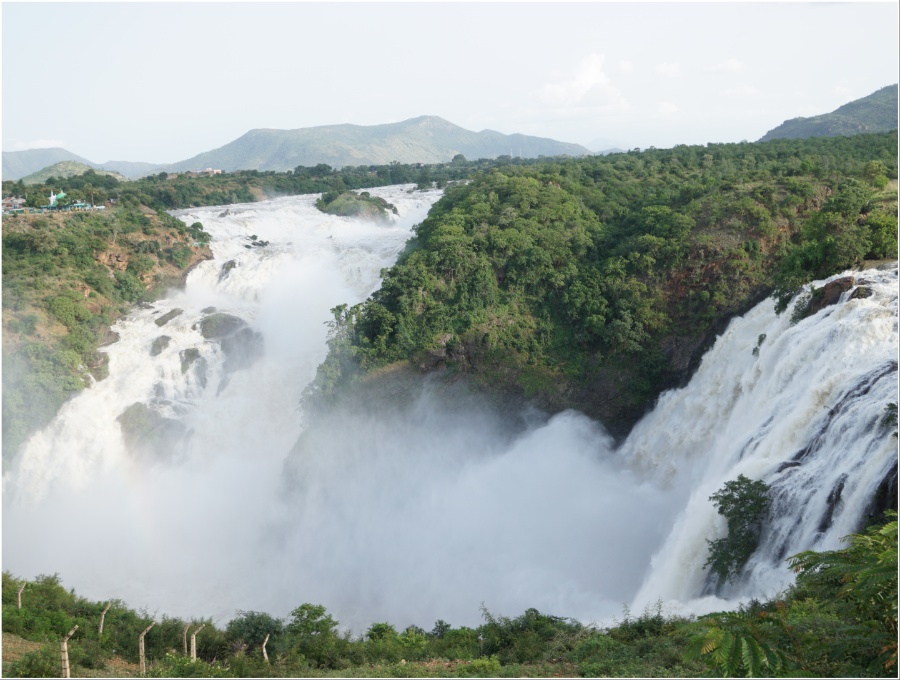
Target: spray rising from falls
[[183, 482]]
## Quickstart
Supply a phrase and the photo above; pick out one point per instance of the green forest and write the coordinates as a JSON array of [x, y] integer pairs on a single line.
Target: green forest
[[595, 283]]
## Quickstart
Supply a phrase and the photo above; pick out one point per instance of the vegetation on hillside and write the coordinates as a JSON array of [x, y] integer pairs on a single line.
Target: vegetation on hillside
[[66, 278], [64, 169], [838, 620], [597, 282]]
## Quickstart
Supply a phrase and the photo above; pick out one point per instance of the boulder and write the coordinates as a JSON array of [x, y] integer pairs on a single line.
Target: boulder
[[148, 433], [829, 294], [860, 293], [167, 317], [188, 357], [220, 325], [159, 345]]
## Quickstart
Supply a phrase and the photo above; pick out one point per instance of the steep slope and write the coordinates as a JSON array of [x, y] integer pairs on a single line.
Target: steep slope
[[875, 113], [427, 139]]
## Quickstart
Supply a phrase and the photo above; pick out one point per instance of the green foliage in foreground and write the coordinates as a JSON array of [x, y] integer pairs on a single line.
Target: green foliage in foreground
[[838, 620]]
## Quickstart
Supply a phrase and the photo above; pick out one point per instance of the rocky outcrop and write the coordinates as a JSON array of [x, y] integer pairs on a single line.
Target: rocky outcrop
[[167, 317], [241, 344], [829, 294], [148, 433], [159, 345], [220, 325]]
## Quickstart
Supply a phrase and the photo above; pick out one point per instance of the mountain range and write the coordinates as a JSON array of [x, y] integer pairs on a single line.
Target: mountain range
[[425, 139], [874, 113]]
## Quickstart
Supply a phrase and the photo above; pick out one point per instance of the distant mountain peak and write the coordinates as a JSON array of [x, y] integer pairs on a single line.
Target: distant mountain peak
[[876, 112]]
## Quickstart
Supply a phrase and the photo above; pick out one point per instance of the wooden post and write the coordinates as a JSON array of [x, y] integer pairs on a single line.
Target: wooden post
[[102, 617], [141, 649], [64, 652], [184, 637], [19, 594], [265, 656], [194, 643]]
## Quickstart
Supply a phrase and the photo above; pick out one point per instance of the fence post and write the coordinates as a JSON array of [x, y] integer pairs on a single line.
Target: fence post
[[184, 637], [141, 649], [103, 616], [265, 656], [19, 594], [194, 643], [64, 652]]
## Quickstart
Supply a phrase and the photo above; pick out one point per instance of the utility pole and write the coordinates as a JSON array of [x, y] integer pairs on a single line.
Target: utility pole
[[64, 652]]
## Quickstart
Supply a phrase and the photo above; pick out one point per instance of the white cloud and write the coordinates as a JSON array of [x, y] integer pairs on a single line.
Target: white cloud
[[742, 91], [667, 108], [626, 67], [727, 66], [588, 87], [668, 70], [38, 144]]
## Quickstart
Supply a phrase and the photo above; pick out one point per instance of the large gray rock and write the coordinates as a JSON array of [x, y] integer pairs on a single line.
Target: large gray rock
[[148, 433]]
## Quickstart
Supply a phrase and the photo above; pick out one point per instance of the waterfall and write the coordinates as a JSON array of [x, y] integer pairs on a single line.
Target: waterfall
[[177, 482], [796, 405]]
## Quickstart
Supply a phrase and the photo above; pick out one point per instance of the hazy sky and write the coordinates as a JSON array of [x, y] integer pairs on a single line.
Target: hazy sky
[[161, 82]]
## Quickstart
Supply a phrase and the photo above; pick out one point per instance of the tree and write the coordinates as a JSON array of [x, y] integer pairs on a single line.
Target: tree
[[744, 504], [251, 628], [310, 620]]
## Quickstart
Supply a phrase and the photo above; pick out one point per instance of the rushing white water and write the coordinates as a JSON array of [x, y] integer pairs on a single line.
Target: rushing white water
[[798, 406], [423, 511]]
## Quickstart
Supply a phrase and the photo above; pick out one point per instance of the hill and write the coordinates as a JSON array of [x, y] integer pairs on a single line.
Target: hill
[[65, 169], [21, 164], [18, 164], [426, 139], [875, 113]]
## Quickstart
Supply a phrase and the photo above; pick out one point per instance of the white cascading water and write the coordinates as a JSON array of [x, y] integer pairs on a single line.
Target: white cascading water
[[426, 512]]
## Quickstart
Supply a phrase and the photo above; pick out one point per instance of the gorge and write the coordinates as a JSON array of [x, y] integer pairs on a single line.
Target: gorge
[[428, 503]]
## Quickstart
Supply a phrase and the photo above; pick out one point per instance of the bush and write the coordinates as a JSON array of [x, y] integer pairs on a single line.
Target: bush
[[485, 667], [44, 663]]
